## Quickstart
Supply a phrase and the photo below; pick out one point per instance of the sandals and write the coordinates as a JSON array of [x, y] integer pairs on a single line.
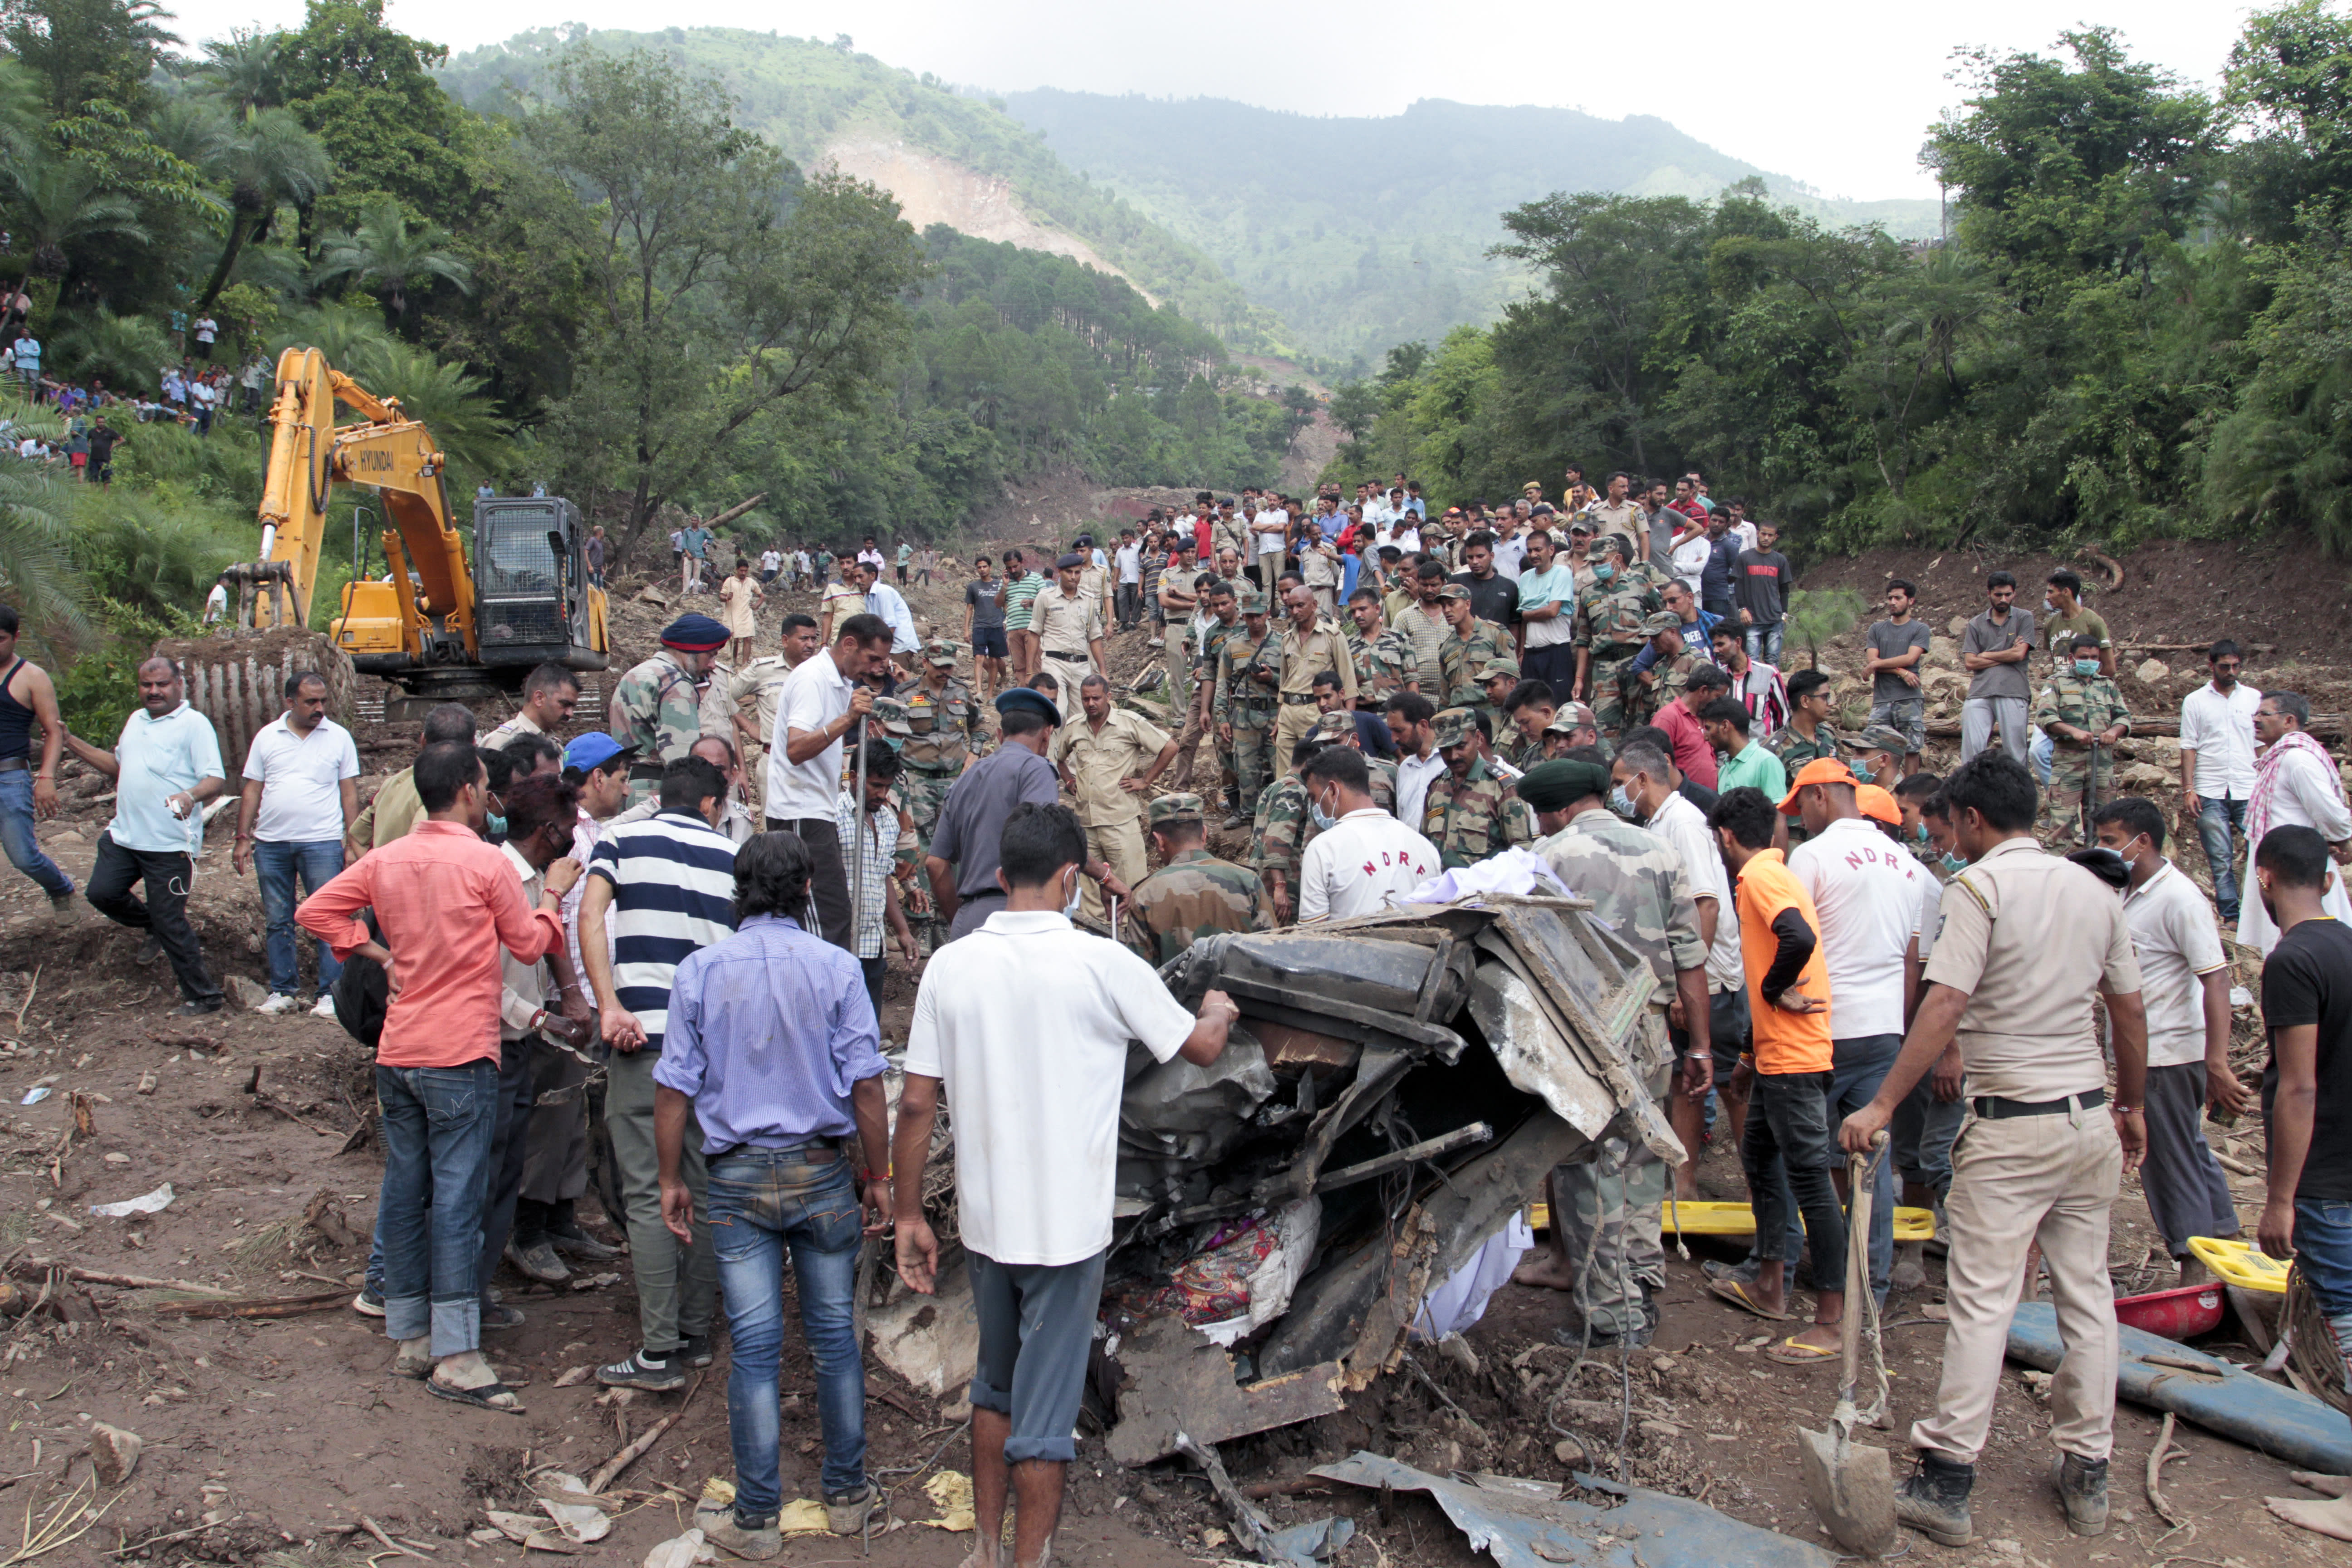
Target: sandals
[[1736, 1292], [482, 1397], [1792, 1352]]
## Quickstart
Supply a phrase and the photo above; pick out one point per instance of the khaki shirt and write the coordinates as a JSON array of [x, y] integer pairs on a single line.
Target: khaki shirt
[[1305, 657], [514, 729], [1065, 623], [1098, 760], [2030, 936], [763, 678]]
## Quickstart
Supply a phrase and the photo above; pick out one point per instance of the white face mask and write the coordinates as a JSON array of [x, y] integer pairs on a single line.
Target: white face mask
[[1070, 905]]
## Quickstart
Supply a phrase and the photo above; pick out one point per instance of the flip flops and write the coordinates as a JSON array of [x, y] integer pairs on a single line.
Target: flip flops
[[1736, 1292], [1792, 1351], [480, 1397]]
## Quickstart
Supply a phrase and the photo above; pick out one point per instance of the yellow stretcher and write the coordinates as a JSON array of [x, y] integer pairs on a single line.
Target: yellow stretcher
[[2236, 1263], [1697, 1218]]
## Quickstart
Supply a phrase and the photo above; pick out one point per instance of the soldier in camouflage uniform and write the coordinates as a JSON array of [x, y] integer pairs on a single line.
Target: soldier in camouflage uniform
[[1337, 726], [1470, 813], [1607, 632], [1225, 626], [1671, 663], [1807, 735], [1385, 662], [1470, 646], [657, 708], [2084, 716], [1193, 894], [1497, 679], [1605, 1247], [1245, 700], [1282, 827], [943, 739]]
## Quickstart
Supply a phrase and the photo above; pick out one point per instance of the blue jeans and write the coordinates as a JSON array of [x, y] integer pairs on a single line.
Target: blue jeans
[[17, 834], [438, 1124], [1858, 1067], [2217, 820], [2041, 752], [275, 867], [1764, 644], [761, 1202], [2323, 1252]]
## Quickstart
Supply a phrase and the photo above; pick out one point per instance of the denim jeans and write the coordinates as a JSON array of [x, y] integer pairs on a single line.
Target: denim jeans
[[276, 866], [1787, 1149], [2322, 1254], [2042, 750], [438, 1124], [1859, 1066], [2217, 820], [1764, 644], [17, 834], [1920, 1137], [763, 1201]]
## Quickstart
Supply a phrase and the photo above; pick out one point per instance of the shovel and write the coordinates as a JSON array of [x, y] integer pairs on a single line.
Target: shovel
[[1850, 1486]]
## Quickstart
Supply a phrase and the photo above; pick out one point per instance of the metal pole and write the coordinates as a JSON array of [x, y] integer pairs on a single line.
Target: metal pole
[[857, 849]]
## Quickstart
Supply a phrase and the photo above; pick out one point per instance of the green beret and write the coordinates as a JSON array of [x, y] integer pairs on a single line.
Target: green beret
[[1557, 784]]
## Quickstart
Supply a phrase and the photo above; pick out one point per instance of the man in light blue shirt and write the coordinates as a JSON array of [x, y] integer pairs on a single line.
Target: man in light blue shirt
[[886, 602], [773, 1049], [165, 766], [1546, 597]]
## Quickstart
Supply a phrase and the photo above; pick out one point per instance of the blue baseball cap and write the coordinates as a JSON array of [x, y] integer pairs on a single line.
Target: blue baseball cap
[[593, 750]]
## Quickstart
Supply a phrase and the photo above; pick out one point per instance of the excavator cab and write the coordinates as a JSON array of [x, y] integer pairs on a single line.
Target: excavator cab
[[532, 602]]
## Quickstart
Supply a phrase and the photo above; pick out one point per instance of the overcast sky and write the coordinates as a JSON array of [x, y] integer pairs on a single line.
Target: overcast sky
[[1834, 92]]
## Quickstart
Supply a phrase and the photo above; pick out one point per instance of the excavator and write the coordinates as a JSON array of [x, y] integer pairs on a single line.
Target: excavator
[[435, 625]]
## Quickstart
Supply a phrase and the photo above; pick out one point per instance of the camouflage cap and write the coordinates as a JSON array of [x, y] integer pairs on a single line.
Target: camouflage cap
[[1167, 808], [1454, 591], [1881, 738], [1572, 716], [939, 653], [1662, 621], [1616, 541], [1337, 725], [892, 715], [1251, 600], [1454, 726], [1498, 669]]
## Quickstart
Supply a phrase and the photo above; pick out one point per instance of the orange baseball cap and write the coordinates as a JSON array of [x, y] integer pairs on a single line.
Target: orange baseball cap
[[1820, 770], [1878, 804]]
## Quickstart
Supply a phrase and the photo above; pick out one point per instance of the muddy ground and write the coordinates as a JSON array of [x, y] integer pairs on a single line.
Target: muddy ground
[[270, 1440]]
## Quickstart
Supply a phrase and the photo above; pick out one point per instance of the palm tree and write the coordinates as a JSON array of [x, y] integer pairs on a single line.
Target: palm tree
[[244, 72], [56, 202], [37, 568], [267, 158], [384, 256]]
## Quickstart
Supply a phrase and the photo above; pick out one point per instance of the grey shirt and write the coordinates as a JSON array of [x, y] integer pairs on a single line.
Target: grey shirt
[[1888, 640], [981, 596], [1983, 636], [970, 830]]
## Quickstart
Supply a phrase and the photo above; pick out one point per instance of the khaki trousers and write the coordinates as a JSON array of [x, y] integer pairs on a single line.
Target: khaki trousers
[[2015, 1181], [1121, 843], [1067, 674], [1291, 720]]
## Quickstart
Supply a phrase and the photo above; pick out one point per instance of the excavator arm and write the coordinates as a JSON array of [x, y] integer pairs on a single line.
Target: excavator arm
[[394, 455]]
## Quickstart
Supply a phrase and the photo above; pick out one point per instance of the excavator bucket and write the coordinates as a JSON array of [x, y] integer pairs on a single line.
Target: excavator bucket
[[239, 682]]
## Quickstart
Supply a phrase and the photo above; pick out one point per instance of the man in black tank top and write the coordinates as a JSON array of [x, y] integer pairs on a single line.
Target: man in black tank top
[[28, 788]]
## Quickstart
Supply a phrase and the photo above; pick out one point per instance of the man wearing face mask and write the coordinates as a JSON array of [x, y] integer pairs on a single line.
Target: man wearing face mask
[[2185, 986], [1362, 860], [2084, 716]]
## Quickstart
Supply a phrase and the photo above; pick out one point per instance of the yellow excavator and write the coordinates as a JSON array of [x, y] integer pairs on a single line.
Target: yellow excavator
[[434, 624]]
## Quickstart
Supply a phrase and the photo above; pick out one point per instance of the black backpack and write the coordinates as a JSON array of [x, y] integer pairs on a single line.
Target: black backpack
[[363, 993]]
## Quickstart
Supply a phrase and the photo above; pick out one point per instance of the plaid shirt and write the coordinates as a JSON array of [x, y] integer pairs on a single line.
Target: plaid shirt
[[881, 845]]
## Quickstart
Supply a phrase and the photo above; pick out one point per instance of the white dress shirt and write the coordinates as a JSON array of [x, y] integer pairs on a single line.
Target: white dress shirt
[[1414, 774], [2219, 728]]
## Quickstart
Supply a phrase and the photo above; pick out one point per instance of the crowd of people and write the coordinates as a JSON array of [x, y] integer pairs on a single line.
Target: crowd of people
[[700, 898]]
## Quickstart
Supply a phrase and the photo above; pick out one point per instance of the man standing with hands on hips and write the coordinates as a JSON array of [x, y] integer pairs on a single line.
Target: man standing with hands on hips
[[1024, 1024], [2028, 939]]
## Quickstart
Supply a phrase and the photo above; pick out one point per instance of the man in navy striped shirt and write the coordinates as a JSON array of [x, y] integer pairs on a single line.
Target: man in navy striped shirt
[[666, 887]]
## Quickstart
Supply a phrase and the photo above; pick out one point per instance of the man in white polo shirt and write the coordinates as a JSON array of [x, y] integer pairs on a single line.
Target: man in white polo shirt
[[302, 795], [164, 767], [1866, 890], [823, 700], [2185, 986], [1364, 860], [1025, 1023]]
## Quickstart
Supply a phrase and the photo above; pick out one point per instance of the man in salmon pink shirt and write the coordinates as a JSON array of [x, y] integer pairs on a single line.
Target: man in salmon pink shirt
[[447, 902]]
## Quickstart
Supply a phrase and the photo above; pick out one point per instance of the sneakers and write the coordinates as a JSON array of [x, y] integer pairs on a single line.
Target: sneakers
[[325, 1005], [63, 904], [150, 952], [846, 1514], [536, 1260], [367, 1303], [719, 1527], [277, 1005], [2083, 1488], [198, 1009], [1934, 1499], [656, 1375], [696, 1352]]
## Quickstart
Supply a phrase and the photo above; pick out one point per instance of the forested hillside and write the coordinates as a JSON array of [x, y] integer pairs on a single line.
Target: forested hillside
[[2142, 324], [803, 96], [1362, 233]]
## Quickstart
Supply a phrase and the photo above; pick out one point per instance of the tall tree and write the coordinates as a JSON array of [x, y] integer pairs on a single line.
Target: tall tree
[[386, 256], [264, 159], [84, 50]]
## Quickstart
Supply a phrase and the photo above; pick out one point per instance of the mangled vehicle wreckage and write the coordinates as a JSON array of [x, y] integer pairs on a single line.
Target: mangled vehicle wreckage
[[1396, 1090]]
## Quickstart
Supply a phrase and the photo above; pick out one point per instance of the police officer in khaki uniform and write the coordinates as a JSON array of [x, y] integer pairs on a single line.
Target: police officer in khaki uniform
[[1309, 646], [1109, 760], [2028, 938], [1067, 623]]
